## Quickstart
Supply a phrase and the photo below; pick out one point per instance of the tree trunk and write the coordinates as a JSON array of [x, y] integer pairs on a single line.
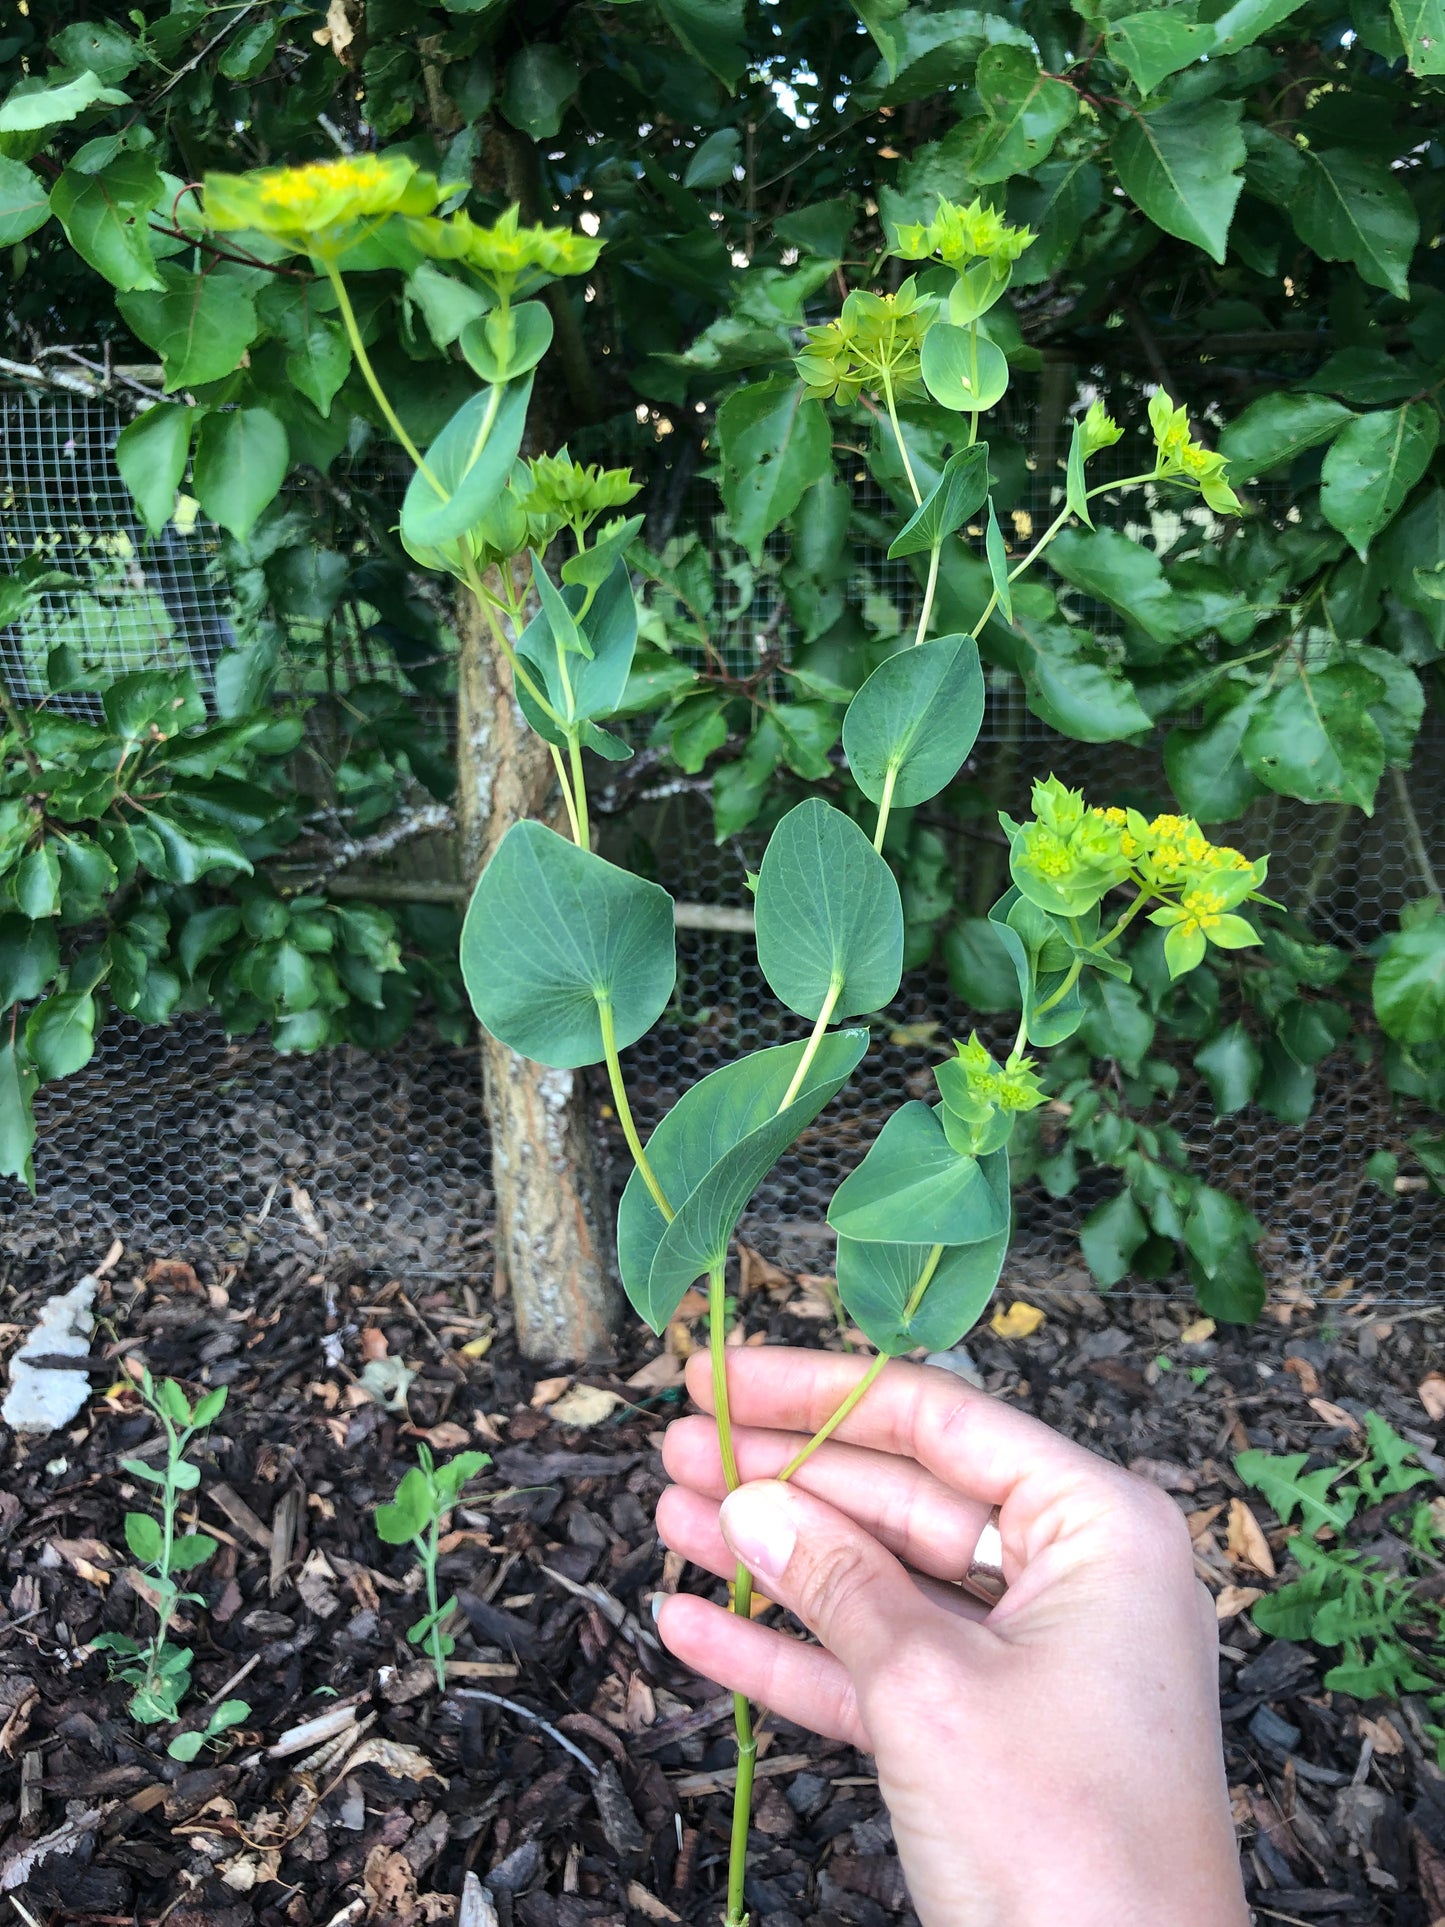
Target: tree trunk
[[550, 1243]]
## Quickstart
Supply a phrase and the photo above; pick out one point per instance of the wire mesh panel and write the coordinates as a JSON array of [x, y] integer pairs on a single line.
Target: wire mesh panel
[[182, 1142]]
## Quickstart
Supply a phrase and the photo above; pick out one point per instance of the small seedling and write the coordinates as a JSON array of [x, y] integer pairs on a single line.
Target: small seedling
[[426, 1494], [1391, 1639], [158, 1668]]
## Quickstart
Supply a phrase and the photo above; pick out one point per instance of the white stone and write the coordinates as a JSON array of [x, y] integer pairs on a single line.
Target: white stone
[[42, 1399]]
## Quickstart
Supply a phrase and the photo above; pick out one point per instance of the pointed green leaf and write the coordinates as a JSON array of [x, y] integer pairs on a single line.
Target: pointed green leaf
[[1351, 207], [24, 202], [553, 933], [1027, 111], [917, 715], [539, 82], [1409, 984], [29, 958], [709, 1154], [1076, 489], [597, 676], [241, 460], [200, 324], [28, 109], [1422, 28], [17, 1116], [150, 453], [1230, 1065], [1276, 428], [828, 915], [104, 217], [1371, 467], [1314, 738], [959, 493], [60, 1034], [712, 31], [143, 1536], [997, 554], [774, 447], [914, 1187], [468, 466], [1181, 164], [1110, 1236], [877, 1280]]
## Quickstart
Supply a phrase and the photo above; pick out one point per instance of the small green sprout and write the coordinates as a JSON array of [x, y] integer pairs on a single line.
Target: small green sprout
[[425, 1496], [158, 1668]]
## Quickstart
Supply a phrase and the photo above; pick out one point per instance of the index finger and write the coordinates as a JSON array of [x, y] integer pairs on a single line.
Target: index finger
[[973, 1442]]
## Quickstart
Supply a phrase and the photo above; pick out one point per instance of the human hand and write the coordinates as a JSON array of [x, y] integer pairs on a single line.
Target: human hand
[[1056, 1759]]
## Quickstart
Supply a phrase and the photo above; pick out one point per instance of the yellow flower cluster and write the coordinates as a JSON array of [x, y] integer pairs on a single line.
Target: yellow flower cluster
[[506, 252], [301, 204], [981, 1099], [960, 235], [876, 334], [562, 491], [1182, 459]]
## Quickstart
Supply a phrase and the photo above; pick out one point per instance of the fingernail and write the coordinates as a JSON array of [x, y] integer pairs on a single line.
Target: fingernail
[[657, 1603], [757, 1523]]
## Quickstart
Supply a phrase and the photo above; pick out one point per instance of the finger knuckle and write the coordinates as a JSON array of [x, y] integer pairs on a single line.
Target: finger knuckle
[[836, 1579]]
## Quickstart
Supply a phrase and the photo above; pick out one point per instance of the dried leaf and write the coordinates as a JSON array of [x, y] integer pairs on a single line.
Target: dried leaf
[[1245, 1542], [174, 1274], [1019, 1321], [306, 1211], [692, 1304], [546, 1390], [373, 1342], [1196, 1333], [339, 27], [657, 1374], [1233, 1600], [387, 1380], [585, 1405], [1384, 1734], [402, 1762], [446, 1437], [1334, 1414], [649, 1904], [1432, 1395], [1308, 1377]]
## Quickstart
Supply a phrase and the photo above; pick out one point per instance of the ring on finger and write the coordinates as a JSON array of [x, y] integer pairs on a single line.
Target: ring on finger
[[984, 1577]]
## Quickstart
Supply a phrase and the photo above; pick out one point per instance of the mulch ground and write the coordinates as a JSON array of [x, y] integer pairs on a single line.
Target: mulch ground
[[571, 1768]]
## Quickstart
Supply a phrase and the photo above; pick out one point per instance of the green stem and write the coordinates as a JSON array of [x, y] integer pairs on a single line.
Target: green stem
[[1124, 921], [1071, 977], [742, 1603], [428, 1550], [973, 377], [898, 437], [835, 990], [624, 1109], [363, 362], [885, 804], [520, 673], [856, 1396], [1129, 481], [925, 614], [1413, 837], [1021, 1037], [566, 788], [583, 831]]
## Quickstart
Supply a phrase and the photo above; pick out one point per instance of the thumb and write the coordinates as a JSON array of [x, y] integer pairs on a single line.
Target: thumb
[[817, 1562]]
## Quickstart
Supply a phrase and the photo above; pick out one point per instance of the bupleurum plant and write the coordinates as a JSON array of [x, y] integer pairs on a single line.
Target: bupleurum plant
[[570, 960]]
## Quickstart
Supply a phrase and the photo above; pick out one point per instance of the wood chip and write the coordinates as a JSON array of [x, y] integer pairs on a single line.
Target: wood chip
[[1308, 1377], [240, 1514], [1331, 1414], [1234, 1600], [1431, 1390], [649, 1904]]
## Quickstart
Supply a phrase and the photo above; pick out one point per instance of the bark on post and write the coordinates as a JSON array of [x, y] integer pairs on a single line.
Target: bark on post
[[550, 1243]]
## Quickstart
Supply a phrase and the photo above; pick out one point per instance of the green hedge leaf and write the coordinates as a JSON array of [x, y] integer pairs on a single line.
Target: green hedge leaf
[[539, 82], [1276, 428], [774, 447], [17, 1116], [1180, 165], [1314, 737], [104, 217], [150, 453], [1409, 985], [1230, 1064], [1350, 207], [60, 1034], [828, 914], [200, 324], [29, 958], [1371, 467], [1110, 1235], [24, 202], [917, 715], [241, 460], [1027, 111], [552, 932], [709, 1154]]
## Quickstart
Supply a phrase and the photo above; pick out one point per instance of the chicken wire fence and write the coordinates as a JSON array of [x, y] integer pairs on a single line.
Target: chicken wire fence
[[183, 1142]]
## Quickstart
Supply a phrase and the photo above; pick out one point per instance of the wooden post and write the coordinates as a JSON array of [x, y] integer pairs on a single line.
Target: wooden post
[[551, 1243]]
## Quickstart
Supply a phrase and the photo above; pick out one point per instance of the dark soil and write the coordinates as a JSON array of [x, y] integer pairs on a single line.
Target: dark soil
[[382, 1812]]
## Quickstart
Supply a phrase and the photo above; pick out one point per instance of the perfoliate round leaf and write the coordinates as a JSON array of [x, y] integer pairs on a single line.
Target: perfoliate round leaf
[[554, 932], [913, 1186], [828, 912], [963, 369], [877, 1280], [918, 714], [593, 685], [709, 1154], [468, 465]]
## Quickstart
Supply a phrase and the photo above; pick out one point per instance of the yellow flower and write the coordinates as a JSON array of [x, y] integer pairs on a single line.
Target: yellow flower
[[506, 252], [297, 204], [1182, 459], [958, 235]]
